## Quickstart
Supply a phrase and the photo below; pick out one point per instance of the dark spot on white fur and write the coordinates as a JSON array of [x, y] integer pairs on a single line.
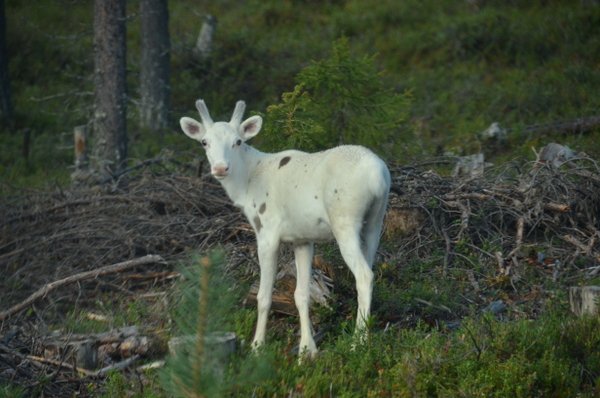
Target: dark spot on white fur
[[267, 194], [284, 161], [316, 197], [335, 190], [257, 223], [262, 208], [254, 205]]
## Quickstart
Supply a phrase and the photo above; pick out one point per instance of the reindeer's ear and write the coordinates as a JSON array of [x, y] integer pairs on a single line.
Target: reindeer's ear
[[192, 128], [250, 127]]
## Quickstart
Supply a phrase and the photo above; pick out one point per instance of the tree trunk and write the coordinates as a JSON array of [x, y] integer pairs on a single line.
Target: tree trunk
[[5, 100], [154, 74], [110, 106]]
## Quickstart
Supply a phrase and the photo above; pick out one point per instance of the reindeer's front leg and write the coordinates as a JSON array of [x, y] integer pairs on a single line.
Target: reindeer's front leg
[[267, 257], [304, 256]]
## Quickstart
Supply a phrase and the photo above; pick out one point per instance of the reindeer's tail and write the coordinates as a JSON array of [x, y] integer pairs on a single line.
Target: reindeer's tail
[[379, 185]]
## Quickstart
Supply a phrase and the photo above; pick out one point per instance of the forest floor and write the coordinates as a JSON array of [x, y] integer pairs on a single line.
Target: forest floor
[[83, 262]]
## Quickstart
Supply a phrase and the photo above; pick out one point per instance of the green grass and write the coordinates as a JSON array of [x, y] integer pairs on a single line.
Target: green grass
[[110, 311], [8, 391], [118, 385]]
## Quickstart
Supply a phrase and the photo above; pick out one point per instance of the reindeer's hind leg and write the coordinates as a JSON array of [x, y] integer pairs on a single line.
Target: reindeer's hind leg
[[347, 235], [372, 228]]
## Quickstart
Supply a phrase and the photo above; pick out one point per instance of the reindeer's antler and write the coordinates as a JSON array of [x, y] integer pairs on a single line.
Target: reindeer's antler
[[238, 113], [203, 110]]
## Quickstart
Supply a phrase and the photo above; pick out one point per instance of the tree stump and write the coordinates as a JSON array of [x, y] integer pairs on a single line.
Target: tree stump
[[584, 300]]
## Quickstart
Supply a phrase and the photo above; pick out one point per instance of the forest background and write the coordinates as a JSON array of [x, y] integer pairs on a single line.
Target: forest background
[[461, 66]]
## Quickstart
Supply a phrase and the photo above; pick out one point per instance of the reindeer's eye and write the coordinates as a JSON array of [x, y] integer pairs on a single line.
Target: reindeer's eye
[[238, 142], [203, 142]]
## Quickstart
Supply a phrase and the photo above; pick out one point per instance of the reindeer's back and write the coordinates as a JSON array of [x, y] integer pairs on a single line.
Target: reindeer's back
[[356, 178], [340, 179]]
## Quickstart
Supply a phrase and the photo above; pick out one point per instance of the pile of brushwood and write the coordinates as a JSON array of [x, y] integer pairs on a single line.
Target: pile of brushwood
[[542, 209], [60, 248]]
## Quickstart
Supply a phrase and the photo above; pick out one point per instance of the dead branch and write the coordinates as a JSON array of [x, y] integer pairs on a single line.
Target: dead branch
[[59, 364], [112, 336], [117, 366], [583, 248], [454, 198], [518, 238], [109, 269]]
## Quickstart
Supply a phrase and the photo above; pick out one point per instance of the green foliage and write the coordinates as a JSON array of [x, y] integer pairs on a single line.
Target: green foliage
[[203, 309], [469, 64], [339, 100]]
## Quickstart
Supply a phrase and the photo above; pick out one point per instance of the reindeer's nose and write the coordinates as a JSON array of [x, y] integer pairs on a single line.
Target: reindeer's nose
[[220, 170]]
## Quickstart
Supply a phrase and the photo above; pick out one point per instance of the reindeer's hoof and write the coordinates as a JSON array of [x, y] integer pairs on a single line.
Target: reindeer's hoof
[[307, 355], [360, 338], [256, 346]]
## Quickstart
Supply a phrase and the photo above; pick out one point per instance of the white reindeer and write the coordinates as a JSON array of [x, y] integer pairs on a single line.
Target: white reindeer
[[299, 198]]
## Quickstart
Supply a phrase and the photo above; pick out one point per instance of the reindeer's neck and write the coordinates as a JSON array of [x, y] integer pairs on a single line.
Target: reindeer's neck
[[236, 185]]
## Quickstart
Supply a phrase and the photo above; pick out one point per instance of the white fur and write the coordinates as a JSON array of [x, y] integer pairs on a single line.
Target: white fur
[[299, 198]]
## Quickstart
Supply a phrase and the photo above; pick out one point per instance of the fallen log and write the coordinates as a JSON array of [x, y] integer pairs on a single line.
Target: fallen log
[[109, 269], [89, 351]]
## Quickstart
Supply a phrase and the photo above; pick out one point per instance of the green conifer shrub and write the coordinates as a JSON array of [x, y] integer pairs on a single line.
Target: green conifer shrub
[[342, 99], [204, 308]]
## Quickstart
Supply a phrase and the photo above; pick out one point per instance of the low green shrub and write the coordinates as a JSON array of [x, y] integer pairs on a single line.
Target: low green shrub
[[484, 357]]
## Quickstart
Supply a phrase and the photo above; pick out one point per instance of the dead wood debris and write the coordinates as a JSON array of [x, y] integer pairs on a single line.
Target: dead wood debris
[[46, 236], [539, 209], [49, 287]]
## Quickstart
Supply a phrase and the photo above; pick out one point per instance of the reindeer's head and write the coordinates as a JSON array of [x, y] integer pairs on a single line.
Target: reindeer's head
[[222, 141]]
